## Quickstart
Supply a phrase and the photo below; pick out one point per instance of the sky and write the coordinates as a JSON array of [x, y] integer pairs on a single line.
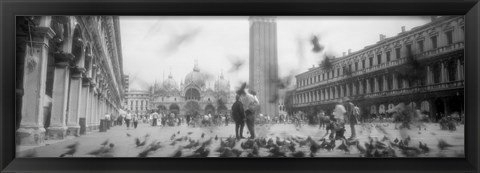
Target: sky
[[155, 46]]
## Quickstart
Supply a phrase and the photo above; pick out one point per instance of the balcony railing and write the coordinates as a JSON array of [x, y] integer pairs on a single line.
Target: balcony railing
[[402, 91], [393, 63]]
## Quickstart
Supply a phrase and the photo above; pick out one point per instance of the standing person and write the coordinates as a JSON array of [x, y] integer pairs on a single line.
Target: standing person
[[238, 115], [154, 119], [322, 120], [250, 105], [352, 115], [135, 121], [106, 121], [338, 123], [127, 120], [226, 119]]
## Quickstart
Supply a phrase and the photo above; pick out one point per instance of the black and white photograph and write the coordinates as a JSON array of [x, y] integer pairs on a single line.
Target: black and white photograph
[[240, 86]]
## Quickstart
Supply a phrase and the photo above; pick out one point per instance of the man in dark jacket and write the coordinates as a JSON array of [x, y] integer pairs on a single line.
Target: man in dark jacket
[[238, 115]]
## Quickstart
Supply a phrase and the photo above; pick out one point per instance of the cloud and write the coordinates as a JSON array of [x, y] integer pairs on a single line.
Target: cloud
[[178, 40]]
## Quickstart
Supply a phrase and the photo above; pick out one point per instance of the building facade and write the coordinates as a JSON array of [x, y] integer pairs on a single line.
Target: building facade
[[194, 96], [264, 63], [69, 75], [138, 102], [423, 67]]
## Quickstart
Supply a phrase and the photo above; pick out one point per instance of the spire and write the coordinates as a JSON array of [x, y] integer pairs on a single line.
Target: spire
[[221, 74], [195, 66]]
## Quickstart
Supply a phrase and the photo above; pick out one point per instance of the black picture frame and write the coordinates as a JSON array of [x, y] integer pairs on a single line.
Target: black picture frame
[[9, 9]]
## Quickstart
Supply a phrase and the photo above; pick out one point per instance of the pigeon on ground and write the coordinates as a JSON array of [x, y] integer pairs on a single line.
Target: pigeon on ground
[[298, 154], [442, 145], [105, 142], [189, 133], [360, 148], [72, 149], [138, 143], [128, 135], [178, 152], [203, 135], [343, 147], [423, 147], [216, 137]]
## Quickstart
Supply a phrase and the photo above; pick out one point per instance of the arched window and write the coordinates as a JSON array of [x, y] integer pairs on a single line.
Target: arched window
[[192, 94]]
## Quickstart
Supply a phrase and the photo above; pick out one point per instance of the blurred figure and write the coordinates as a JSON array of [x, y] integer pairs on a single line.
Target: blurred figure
[[135, 121], [154, 116], [322, 119], [238, 115], [128, 118], [338, 124], [250, 104], [352, 114]]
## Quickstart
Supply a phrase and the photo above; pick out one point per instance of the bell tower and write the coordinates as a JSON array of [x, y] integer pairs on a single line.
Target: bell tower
[[263, 62]]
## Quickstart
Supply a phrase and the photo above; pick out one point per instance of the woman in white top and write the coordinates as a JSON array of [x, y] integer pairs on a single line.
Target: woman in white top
[[127, 120]]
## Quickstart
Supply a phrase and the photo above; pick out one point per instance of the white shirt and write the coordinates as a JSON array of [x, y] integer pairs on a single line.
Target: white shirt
[[129, 116], [248, 100], [339, 112]]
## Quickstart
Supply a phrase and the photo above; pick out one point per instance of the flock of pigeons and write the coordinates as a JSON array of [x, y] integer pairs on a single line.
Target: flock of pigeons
[[266, 147]]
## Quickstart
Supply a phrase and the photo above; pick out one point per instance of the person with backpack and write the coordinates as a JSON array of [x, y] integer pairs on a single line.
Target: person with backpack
[[352, 115]]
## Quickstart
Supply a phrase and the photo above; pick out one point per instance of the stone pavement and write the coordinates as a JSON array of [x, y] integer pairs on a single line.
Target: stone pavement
[[124, 145]]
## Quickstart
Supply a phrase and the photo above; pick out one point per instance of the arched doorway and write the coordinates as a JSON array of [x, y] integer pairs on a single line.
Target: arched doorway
[[192, 108], [161, 108], [425, 106], [222, 109], [440, 109], [381, 109], [209, 109], [174, 109], [192, 94], [373, 109]]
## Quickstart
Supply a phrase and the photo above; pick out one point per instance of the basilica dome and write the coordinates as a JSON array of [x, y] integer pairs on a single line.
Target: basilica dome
[[222, 84], [195, 77], [170, 83]]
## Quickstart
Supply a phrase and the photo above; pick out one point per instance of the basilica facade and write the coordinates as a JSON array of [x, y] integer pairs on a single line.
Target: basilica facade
[[193, 96]]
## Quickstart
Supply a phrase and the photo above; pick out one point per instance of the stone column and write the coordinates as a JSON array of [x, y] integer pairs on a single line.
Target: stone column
[[330, 93], [429, 75], [354, 89], [368, 86], [342, 94], [376, 84], [318, 95], [321, 95], [85, 101], [385, 83], [31, 130], [443, 75], [336, 92], [73, 118], [394, 82], [459, 71], [360, 85], [96, 111], [58, 128], [348, 90]]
